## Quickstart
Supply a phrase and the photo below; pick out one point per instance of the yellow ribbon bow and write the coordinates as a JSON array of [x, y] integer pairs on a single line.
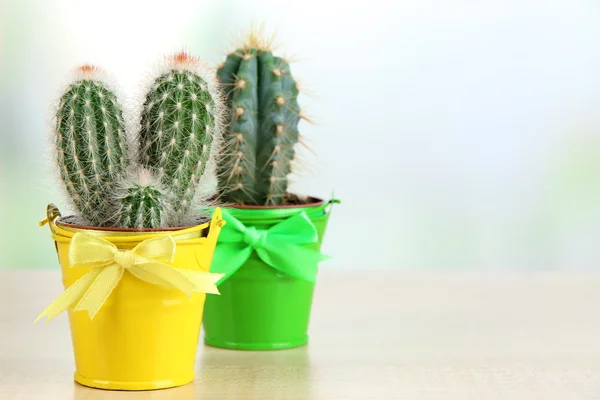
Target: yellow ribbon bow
[[147, 261]]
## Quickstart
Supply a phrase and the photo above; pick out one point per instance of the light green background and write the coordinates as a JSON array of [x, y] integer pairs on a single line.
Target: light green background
[[458, 134]]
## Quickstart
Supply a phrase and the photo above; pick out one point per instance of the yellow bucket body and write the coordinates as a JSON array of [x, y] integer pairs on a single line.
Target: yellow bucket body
[[145, 336]]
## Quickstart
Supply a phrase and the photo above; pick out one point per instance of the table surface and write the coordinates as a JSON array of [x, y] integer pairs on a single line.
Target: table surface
[[374, 335]]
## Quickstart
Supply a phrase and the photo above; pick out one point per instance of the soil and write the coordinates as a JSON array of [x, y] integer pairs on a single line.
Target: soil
[[291, 201], [69, 220]]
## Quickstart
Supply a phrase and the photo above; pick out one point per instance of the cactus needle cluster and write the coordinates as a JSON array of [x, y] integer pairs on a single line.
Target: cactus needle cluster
[[161, 184]]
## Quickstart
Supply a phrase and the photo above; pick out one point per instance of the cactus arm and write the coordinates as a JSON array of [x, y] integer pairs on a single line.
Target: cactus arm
[[278, 129], [141, 200], [142, 208], [80, 138], [178, 126], [239, 167]]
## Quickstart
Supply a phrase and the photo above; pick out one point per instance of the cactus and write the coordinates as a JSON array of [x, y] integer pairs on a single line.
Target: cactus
[[90, 143], [142, 201], [259, 145], [180, 132], [179, 138]]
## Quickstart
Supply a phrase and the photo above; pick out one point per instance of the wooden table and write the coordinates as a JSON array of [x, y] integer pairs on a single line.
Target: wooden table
[[379, 335]]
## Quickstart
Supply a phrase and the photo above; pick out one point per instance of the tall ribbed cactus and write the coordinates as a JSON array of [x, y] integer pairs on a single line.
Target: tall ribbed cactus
[[259, 145], [90, 143], [142, 201], [181, 126]]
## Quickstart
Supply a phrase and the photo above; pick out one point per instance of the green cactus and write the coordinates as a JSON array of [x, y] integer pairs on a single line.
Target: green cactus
[[179, 138], [181, 125], [259, 145], [142, 201], [90, 143]]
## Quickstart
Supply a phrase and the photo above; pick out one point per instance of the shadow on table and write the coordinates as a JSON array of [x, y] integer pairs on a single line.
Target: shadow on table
[[229, 374], [237, 374], [185, 392]]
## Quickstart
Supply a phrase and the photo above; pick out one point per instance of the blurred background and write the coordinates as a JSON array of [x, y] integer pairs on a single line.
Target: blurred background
[[458, 134]]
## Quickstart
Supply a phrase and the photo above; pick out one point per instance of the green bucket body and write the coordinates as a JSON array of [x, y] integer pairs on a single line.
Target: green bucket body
[[261, 308]]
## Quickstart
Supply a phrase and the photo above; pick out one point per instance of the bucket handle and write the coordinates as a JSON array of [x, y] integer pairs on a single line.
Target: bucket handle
[[52, 212], [330, 204]]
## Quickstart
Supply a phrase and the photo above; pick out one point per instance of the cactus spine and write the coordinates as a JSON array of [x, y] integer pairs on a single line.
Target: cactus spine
[[180, 131], [90, 143], [262, 96], [142, 200]]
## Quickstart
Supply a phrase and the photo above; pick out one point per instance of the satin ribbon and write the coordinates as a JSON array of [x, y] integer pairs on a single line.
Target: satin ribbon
[[146, 261], [280, 246]]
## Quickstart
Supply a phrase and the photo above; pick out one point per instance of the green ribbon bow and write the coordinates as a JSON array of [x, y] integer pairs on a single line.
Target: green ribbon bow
[[280, 246]]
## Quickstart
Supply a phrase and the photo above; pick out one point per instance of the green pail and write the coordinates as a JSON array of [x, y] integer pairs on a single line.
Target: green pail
[[260, 307]]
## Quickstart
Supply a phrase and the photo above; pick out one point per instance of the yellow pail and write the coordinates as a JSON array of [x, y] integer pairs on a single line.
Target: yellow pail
[[144, 336]]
